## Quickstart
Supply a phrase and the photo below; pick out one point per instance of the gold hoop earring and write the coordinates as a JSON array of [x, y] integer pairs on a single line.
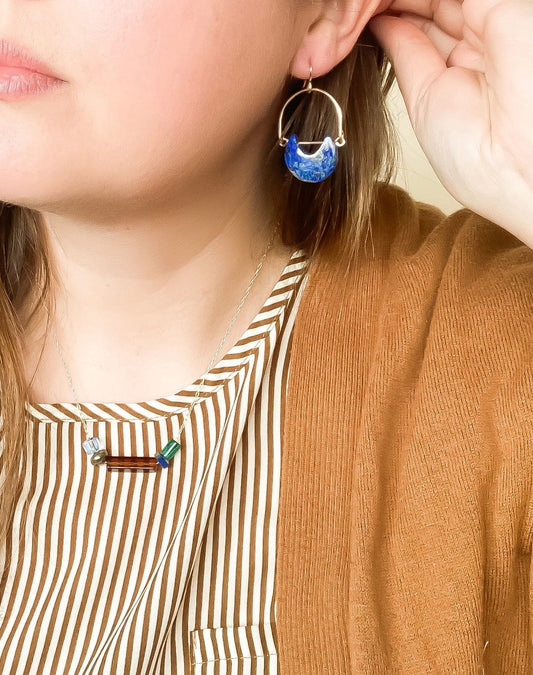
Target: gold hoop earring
[[315, 167]]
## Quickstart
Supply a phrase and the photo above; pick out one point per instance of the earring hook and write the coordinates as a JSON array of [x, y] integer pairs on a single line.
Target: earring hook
[[309, 85]]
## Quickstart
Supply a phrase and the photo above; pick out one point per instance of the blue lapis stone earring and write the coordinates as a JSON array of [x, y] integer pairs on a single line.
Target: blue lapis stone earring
[[315, 167]]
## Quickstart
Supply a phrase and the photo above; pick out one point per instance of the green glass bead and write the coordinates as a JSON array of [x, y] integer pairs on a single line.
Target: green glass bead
[[170, 449]]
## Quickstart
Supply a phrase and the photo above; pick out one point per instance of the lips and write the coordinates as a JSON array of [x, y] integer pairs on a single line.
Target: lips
[[15, 56]]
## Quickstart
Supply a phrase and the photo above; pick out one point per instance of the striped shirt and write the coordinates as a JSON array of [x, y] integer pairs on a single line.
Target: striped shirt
[[163, 572]]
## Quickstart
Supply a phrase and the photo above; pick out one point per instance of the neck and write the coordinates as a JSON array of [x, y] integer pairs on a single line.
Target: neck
[[118, 265], [152, 293]]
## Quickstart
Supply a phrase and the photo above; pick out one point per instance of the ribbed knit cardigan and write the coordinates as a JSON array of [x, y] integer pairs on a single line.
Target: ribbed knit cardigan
[[406, 518]]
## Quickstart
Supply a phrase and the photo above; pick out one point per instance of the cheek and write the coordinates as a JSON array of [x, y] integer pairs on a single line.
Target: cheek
[[158, 90], [183, 84]]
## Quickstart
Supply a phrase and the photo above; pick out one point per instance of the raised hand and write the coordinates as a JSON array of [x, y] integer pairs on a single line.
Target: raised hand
[[465, 71]]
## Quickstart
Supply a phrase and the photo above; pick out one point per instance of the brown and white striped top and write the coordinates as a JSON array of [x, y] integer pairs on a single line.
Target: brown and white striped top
[[164, 572]]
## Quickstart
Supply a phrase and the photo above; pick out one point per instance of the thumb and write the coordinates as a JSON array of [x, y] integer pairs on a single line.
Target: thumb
[[415, 59]]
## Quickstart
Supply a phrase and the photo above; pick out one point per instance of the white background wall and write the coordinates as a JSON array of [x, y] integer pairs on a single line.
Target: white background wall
[[415, 173]]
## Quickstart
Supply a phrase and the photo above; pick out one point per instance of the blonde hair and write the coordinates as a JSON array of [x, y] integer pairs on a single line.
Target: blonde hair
[[312, 216]]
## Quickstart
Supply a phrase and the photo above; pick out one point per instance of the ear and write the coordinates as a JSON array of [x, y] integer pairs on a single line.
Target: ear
[[333, 34]]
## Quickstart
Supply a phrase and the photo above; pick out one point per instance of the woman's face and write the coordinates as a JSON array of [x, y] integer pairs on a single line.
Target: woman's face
[[157, 94]]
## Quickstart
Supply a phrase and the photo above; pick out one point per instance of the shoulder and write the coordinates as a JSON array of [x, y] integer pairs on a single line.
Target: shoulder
[[459, 289], [403, 225], [452, 266], [415, 253], [477, 264], [467, 280], [454, 315]]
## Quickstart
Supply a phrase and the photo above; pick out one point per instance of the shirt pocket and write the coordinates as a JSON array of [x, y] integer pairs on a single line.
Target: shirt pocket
[[220, 650]]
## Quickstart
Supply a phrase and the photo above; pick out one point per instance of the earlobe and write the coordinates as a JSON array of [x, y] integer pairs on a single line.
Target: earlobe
[[333, 35], [318, 49]]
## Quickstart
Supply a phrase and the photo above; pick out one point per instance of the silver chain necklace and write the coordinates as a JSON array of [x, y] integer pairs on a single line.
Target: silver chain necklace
[[93, 445]]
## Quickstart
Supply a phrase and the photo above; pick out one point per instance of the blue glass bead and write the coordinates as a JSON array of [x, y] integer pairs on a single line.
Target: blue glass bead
[[162, 461], [170, 449], [311, 168], [92, 445]]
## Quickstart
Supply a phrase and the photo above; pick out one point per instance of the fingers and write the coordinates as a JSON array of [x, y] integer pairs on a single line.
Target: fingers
[[417, 61], [442, 41], [446, 14], [476, 13], [453, 52], [465, 56]]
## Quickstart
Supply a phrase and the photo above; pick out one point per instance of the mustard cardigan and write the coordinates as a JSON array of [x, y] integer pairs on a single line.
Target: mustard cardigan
[[405, 522]]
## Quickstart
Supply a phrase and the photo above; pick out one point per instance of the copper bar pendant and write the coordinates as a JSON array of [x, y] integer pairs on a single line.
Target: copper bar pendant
[[120, 463]]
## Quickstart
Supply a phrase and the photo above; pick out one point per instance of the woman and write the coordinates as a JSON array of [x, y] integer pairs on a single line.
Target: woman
[[346, 487]]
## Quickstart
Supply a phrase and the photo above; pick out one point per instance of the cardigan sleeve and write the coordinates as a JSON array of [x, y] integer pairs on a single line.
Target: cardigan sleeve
[[458, 324], [414, 371], [487, 282], [475, 291]]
